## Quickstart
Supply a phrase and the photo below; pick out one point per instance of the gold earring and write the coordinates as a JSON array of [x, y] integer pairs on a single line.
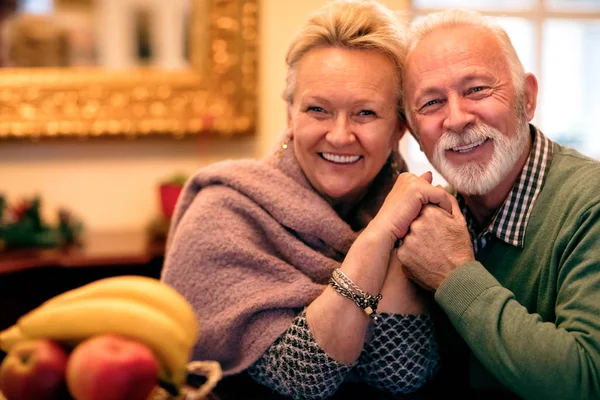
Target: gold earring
[[394, 166], [282, 147]]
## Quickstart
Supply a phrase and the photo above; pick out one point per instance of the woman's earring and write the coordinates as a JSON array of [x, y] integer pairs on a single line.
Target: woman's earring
[[394, 166], [283, 147]]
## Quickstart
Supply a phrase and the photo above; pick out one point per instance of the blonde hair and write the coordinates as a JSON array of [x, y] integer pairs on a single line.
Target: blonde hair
[[349, 24]]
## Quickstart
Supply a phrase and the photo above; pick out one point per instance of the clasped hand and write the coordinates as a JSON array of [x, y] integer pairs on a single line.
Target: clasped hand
[[435, 238]]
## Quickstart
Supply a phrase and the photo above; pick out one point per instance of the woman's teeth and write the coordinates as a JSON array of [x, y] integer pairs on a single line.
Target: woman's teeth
[[340, 159], [469, 147]]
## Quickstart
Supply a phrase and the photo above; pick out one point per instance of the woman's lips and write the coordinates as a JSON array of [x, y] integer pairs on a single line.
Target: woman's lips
[[340, 159]]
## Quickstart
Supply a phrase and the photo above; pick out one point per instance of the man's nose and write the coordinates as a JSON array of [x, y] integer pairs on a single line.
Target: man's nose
[[458, 115], [340, 133]]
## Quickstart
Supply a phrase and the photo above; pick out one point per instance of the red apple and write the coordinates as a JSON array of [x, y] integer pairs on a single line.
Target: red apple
[[109, 367], [34, 370]]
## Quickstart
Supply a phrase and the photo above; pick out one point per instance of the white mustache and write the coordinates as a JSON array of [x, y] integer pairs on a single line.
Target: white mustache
[[451, 139]]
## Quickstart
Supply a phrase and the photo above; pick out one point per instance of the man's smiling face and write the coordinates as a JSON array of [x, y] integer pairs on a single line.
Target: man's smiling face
[[464, 107]]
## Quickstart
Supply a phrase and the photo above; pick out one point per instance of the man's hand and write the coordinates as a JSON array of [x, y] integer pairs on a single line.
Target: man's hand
[[437, 243]]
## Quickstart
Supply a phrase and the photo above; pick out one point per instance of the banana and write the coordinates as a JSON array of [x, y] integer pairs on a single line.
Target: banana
[[139, 288], [78, 320], [9, 337]]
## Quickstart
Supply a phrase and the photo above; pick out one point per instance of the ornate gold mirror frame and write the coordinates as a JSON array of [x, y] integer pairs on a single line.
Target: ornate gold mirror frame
[[216, 95]]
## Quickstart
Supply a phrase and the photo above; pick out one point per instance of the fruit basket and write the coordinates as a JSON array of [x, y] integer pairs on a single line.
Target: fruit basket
[[125, 334], [211, 370]]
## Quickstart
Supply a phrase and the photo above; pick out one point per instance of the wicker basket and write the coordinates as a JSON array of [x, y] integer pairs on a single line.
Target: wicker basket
[[210, 369]]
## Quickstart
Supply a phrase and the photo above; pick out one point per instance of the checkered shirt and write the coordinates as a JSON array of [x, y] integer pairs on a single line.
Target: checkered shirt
[[510, 221]]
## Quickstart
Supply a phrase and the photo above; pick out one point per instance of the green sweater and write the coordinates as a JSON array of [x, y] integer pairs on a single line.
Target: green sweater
[[531, 315]]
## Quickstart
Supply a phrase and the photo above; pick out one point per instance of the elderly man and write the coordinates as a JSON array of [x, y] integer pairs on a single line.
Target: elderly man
[[516, 267]]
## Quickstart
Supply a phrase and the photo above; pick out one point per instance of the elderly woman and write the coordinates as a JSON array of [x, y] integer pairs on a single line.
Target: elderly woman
[[287, 260]]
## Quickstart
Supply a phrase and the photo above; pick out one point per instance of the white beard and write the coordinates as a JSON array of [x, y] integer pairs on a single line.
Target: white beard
[[479, 178]]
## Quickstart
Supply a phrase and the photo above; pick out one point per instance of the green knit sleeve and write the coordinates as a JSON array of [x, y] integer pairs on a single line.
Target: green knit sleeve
[[536, 359]]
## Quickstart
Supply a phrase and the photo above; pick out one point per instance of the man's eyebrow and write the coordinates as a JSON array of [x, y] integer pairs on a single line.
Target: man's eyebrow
[[474, 77], [469, 78]]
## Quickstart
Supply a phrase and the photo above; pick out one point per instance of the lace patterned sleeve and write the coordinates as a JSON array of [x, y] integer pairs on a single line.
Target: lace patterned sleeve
[[297, 367], [401, 355]]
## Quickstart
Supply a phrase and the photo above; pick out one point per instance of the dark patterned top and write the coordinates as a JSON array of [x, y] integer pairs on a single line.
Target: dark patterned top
[[400, 356]]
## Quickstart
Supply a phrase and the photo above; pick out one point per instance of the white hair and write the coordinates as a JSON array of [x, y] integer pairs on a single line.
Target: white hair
[[472, 178], [460, 18]]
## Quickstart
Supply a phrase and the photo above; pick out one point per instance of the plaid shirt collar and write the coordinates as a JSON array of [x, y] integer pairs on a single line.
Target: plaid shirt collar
[[510, 221]]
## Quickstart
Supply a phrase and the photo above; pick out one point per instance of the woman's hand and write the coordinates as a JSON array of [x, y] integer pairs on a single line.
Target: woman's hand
[[404, 202], [399, 294]]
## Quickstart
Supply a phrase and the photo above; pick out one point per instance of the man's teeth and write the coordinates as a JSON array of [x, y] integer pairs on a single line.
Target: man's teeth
[[468, 147], [340, 159]]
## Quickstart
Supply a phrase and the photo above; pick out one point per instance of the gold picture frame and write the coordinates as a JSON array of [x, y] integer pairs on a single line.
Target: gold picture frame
[[216, 95]]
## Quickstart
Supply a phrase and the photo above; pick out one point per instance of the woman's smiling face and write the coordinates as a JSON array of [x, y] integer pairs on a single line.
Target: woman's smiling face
[[344, 119]]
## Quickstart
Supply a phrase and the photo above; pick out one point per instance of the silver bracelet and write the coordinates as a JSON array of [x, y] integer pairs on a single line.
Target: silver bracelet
[[345, 287]]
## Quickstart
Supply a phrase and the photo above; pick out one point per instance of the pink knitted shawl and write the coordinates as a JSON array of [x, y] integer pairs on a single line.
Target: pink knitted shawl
[[252, 243]]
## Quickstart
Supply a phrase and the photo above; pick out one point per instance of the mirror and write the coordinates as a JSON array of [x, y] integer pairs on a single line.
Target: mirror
[[115, 34], [200, 80]]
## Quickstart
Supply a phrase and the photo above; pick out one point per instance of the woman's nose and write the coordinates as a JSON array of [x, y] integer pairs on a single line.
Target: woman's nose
[[340, 133]]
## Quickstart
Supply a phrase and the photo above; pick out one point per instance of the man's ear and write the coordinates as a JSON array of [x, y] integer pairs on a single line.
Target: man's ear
[[403, 126], [415, 136], [410, 129], [400, 131], [530, 87], [398, 134]]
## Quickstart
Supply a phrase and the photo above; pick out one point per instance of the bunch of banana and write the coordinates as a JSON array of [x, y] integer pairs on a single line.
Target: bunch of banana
[[141, 308]]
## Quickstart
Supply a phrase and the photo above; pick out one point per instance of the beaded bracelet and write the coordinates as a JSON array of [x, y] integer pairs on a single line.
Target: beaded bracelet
[[345, 287]]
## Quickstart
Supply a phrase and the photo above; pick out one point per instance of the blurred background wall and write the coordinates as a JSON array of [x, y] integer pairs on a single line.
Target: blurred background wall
[[110, 185]]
